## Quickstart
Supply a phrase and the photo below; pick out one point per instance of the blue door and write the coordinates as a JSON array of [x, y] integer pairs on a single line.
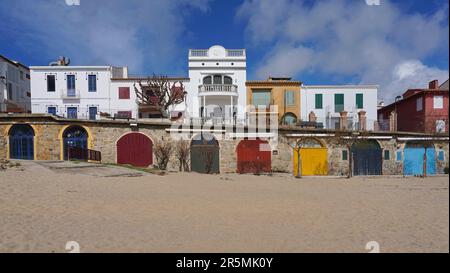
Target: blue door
[[367, 158], [51, 110], [92, 113], [72, 112], [413, 164], [21, 142], [75, 136]]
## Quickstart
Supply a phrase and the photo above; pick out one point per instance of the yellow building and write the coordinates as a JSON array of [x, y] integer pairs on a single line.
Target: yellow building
[[282, 92]]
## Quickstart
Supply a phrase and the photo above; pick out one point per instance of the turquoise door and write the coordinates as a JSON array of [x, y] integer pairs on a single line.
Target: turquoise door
[[413, 164]]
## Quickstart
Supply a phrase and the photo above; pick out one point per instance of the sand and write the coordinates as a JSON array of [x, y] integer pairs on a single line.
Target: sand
[[42, 208]]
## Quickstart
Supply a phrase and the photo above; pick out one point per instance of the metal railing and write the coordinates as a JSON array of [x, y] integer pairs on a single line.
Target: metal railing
[[198, 52], [235, 52], [80, 154], [218, 88], [70, 94]]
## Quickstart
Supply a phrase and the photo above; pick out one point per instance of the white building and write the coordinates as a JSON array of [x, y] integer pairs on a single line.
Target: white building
[[14, 86], [328, 101], [217, 83], [86, 92], [81, 92]]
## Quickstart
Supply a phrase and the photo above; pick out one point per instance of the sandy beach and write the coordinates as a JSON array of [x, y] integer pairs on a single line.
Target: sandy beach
[[112, 209]]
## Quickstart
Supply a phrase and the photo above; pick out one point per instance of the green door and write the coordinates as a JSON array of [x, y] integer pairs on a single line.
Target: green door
[[205, 154]]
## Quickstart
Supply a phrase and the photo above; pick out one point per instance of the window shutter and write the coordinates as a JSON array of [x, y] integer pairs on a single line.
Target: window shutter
[[124, 93], [338, 103], [359, 101], [319, 99]]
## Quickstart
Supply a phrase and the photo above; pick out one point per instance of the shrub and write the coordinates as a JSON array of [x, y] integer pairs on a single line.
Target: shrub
[[163, 150]]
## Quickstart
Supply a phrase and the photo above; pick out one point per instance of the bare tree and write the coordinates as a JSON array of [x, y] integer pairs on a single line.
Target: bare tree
[[160, 92], [163, 150], [182, 151]]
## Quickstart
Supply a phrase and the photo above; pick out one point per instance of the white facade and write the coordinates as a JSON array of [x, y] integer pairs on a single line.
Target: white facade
[[14, 86], [328, 112], [89, 90], [217, 83]]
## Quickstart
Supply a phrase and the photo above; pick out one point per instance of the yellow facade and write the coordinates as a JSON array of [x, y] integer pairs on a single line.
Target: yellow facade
[[278, 88], [314, 161]]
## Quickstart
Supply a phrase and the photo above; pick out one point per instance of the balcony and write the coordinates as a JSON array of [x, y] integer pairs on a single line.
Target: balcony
[[218, 89], [70, 94]]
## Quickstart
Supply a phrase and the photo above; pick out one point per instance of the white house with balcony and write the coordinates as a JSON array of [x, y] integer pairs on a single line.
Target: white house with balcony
[[328, 101], [216, 90], [14, 86], [81, 92]]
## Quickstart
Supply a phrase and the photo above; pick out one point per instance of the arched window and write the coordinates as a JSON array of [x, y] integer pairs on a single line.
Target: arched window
[[207, 80], [227, 80], [217, 79], [289, 119]]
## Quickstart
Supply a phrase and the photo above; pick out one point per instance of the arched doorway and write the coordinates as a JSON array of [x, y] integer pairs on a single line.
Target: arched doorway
[[419, 157], [367, 158], [75, 136], [314, 157], [135, 149], [21, 142], [205, 154], [254, 156]]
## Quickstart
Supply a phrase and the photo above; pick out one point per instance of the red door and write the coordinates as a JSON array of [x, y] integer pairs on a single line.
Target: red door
[[254, 156], [135, 149]]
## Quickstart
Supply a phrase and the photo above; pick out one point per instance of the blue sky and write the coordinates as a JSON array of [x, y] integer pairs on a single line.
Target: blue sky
[[398, 45]]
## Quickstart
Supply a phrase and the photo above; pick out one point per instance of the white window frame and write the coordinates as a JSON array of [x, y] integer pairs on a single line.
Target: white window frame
[[438, 102]]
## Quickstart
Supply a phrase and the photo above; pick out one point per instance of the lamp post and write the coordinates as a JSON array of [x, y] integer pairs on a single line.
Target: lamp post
[[395, 111]]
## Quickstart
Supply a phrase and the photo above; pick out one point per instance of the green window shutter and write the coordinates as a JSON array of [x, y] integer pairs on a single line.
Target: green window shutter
[[338, 103], [261, 97], [319, 100], [289, 97], [344, 155], [359, 101], [387, 155]]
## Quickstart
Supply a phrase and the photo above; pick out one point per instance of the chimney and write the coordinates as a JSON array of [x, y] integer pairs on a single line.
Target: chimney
[[433, 84]]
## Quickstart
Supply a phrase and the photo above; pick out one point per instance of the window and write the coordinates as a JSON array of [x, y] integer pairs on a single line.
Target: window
[[399, 155], [92, 113], [124, 93], [207, 80], [440, 126], [217, 79], [438, 102], [10, 91], [387, 155], [289, 119], [289, 97], [227, 80], [27, 76], [51, 110], [51, 83], [441, 155], [92, 82], [319, 101], [359, 101], [261, 97], [344, 155], [419, 104], [72, 112], [338, 103], [71, 85]]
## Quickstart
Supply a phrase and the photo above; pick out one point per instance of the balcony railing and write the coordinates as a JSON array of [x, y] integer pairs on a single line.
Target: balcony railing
[[235, 52], [70, 94], [205, 88], [198, 53], [229, 53]]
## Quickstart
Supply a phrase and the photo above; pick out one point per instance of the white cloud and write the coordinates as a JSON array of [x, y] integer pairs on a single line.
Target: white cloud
[[347, 39], [144, 35]]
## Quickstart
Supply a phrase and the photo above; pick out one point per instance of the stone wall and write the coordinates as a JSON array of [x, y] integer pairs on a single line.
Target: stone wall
[[104, 135]]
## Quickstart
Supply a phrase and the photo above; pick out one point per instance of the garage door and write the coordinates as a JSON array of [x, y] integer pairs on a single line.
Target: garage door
[[415, 161], [313, 158], [205, 154], [135, 149], [254, 156], [367, 158]]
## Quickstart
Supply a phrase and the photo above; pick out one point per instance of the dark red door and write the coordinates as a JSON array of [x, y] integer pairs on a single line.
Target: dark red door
[[254, 156], [135, 149]]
